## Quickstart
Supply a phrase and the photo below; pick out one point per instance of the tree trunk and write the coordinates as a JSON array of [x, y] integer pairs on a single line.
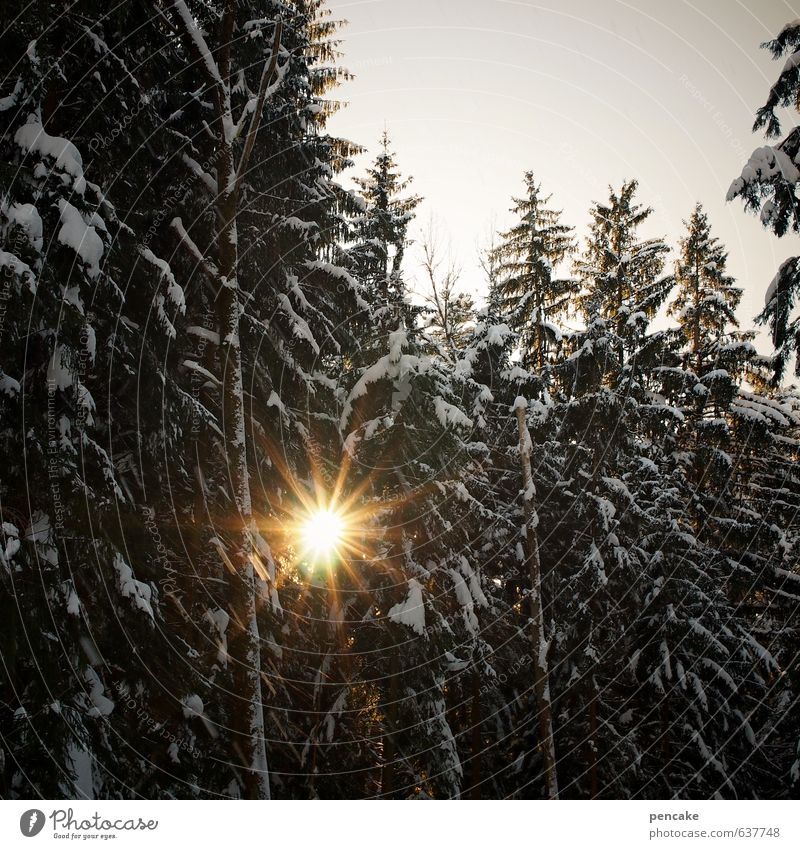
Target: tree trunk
[[245, 706], [696, 328], [541, 682], [540, 332], [593, 777], [246, 714], [665, 737], [389, 751], [477, 743]]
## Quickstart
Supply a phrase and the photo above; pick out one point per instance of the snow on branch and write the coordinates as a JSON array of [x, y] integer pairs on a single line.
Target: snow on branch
[[209, 183], [195, 367], [193, 251], [195, 35]]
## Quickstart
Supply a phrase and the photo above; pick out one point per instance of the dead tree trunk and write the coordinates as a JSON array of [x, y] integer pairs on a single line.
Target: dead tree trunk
[[541, 682]]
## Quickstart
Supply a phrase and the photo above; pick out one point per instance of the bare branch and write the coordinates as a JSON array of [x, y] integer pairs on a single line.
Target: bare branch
[[442, 283], [487, 253], [255, 120]]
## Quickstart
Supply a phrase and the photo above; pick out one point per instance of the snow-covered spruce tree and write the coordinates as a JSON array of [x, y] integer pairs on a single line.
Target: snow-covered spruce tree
[[66, 504], [620, 273], [590, 554], [334, 712], [520, 462], [484, 366], [510, 761], [761, 548], [647, 590], [155, 29], [714, 354], [526, 259], [718, 455], [706, 298], [767, 186], [595, 572], [725, 425], [184, 532], [698, 740], [581, 435], [418, 645], [380, 232], [175, 748], [714, 357], [272, 206], [301, 323], [700, 674], [407, 425]]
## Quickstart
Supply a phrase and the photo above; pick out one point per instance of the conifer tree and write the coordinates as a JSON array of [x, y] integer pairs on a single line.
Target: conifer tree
[[622, 274], [381, 231], [699, 671], [526, 261], [404, 420], [68, 326], [706, 297], [767, 186], [293, 305], [189, 388], [520, 459], [714, 357]]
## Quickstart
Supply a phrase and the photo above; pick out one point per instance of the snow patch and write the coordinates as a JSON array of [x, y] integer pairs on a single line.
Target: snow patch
[[75, 233], [410, 612], [33, 138], [140, 593]]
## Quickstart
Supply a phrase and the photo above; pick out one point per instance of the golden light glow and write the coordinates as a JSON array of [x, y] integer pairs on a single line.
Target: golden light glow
[[324, 526], [322, 535]]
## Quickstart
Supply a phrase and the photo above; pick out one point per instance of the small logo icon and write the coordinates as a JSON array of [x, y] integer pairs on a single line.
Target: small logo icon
[[31, 822]]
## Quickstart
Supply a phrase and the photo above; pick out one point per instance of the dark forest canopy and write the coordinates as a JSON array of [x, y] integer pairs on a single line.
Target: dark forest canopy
[[272, 527]]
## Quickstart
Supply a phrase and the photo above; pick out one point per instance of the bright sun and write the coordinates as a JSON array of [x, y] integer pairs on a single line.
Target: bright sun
[[322, 535]]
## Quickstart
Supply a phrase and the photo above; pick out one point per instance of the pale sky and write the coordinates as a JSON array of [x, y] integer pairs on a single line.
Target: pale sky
[[583, 93]]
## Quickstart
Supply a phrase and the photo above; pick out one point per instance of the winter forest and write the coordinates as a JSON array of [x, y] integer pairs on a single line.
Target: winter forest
[[275, 526]]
